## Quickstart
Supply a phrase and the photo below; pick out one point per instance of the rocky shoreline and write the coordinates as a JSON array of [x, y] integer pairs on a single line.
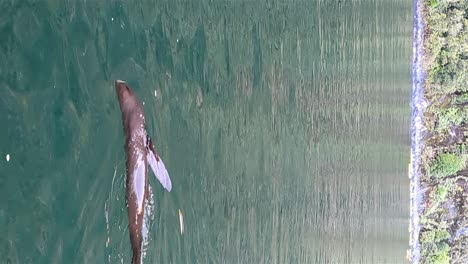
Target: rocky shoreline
[[438, 168]]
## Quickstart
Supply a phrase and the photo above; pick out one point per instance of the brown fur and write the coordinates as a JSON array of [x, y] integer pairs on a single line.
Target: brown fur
[[135, 142]]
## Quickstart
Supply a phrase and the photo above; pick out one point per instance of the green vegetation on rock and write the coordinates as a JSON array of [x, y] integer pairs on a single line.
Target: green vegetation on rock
[[441, 193], [446, 164], [434, 247], [445, 174], [449, 117], [447, 46], [440, 255]]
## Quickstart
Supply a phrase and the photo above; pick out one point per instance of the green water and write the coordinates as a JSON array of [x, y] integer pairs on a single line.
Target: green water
[[284, 126]]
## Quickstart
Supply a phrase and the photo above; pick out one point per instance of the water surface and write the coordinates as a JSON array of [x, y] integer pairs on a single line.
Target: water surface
[[284, 127]]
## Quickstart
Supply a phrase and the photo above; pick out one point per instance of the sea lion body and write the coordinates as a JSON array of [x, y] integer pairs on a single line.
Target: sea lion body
[[139, 151]]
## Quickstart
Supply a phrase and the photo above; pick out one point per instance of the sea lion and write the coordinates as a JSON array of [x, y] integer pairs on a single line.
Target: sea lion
[[139, 151]]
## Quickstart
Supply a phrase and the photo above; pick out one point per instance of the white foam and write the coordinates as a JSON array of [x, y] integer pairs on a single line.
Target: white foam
[[418, 105]]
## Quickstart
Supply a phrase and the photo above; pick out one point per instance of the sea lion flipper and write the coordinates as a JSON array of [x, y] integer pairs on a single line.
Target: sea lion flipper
[[157, 165]]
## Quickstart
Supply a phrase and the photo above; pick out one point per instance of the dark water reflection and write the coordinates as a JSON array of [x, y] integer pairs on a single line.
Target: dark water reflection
[[284, 126]]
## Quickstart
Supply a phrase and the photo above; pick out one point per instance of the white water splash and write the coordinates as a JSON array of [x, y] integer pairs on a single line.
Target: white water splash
[[107, 208], [148, 218], [418, 105], [106, 215]]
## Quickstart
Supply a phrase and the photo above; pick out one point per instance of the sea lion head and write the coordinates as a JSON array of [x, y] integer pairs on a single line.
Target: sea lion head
[[126, 97]]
